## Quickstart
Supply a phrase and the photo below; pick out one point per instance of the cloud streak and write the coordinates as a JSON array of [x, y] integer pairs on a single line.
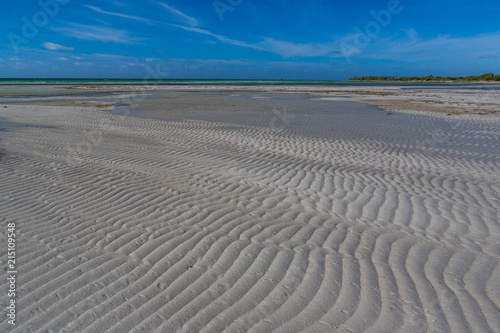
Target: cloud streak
[[216, 36], [53, 46], [409, 47], [130, 17], [97, 33], [413, 48], [180, 15], [289, 49], [283, 48]]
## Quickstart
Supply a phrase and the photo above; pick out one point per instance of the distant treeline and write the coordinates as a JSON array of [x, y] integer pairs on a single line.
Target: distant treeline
[[471, 78]]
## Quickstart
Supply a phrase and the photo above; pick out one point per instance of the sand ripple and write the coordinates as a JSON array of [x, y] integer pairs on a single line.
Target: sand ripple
[[197, 226]]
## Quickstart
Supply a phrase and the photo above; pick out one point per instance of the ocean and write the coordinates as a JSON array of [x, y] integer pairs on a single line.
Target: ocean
[[194, 82]]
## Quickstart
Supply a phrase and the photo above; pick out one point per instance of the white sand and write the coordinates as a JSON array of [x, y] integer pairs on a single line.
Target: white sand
[[197, 226]]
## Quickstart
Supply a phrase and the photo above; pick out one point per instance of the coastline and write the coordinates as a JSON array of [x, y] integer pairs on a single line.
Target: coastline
[[430, 81]]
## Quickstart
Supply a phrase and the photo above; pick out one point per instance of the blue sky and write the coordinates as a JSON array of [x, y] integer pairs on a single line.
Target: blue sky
[[257, 39]]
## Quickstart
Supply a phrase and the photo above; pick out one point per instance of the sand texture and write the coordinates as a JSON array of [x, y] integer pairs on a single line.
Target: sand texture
[[344, 222]]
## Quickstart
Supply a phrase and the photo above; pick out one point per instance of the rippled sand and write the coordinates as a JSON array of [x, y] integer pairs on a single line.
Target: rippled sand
[[251, 211]]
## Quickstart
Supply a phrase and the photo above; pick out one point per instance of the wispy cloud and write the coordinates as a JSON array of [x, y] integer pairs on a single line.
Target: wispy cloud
[[130, 17], [113, 57], [180, 15], [103, 34], [83, 63], [283, 48], [289, 49], [222, 68], [53, 46], [411, 47], [216, 36]]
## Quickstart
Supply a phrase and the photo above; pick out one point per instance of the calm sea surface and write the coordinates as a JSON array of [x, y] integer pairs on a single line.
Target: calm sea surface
[[228, 82]]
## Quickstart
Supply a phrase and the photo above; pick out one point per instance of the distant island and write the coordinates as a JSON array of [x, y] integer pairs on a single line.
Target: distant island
[[480, 78]]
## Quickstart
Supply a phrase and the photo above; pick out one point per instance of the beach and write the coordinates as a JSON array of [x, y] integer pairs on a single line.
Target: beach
[[252, 208]]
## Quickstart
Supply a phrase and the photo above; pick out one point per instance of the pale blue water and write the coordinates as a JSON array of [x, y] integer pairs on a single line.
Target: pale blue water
[[194, 82], [174, 82]]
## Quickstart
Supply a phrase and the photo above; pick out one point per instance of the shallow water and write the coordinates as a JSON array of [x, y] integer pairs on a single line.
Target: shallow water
[[303, 115]]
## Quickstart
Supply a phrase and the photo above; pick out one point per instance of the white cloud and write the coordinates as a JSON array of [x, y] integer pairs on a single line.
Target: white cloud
[[180, 15], [413, 48], [288, 49], [130, 17], [283, 48], [219, 37], [409, 47], [62, 58], [103, 34], [111, 56], [53, 46], [84, 63]]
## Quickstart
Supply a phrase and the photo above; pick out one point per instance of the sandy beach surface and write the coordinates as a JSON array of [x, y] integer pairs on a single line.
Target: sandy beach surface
[[252, 209]]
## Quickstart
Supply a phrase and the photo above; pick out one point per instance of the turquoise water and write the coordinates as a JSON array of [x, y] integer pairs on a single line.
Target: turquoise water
[[213, 82], [178, 82]]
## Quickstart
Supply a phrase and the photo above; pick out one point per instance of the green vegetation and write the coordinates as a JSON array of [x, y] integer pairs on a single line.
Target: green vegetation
[[430, 78]]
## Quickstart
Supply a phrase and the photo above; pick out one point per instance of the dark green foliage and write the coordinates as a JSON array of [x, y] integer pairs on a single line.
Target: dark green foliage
[[429, 78], [487, 77]]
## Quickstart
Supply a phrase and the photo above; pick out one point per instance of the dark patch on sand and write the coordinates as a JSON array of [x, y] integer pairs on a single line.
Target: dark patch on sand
[[69, 103], [39, 126]]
